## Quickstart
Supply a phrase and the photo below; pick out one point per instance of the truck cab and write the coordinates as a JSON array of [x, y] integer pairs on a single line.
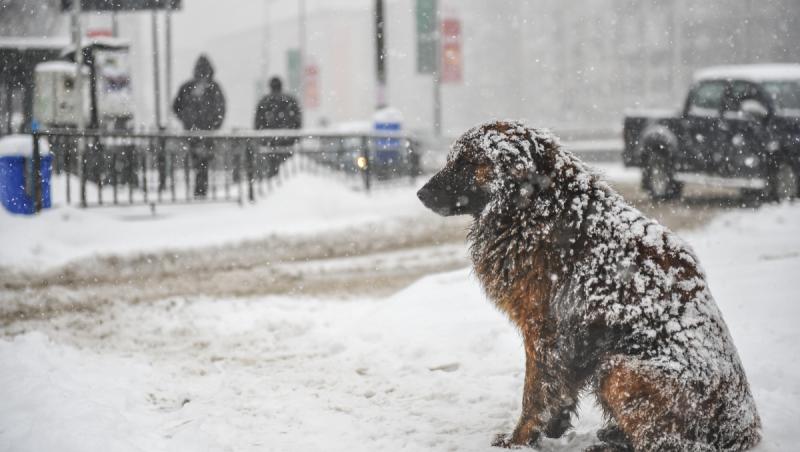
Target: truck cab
[[739, 127]]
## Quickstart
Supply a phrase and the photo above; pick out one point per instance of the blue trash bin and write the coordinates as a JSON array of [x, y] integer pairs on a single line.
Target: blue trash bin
[[16, 174], [388, 150]]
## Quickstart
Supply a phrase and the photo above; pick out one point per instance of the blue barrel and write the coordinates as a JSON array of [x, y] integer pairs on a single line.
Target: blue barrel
[[16, 180], [388, 150]]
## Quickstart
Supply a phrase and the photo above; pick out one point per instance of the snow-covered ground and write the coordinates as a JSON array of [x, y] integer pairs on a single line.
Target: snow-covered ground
[[433, 367], [304, 204]]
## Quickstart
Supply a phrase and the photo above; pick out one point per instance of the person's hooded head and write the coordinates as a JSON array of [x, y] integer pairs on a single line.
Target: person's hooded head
[[275, 85], [203, 68]]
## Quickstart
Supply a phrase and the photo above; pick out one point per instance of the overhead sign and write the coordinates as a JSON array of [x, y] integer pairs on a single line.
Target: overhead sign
[[426, 36], [122, 5], [452, 57]]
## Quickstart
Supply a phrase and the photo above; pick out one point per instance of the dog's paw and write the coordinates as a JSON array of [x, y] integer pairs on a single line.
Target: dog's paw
[[507, 441], [502, 440]]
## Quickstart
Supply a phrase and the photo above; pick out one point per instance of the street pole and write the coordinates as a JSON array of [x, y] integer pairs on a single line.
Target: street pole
[[748, 56], [77, 36], [437, 73], [677, 48], [114, 25], [301, 29], [266, 50], [156, 69], [168, 62], [380, 53]]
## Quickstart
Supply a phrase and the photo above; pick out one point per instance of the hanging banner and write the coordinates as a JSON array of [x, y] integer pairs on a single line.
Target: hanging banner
[[452, 57], [311, 87], [426, 36]]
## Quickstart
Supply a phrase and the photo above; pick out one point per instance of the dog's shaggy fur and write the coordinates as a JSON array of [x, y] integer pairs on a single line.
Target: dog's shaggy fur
[[605, 298]]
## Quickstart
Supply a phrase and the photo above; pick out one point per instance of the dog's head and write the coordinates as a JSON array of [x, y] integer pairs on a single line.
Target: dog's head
[[495, 160]]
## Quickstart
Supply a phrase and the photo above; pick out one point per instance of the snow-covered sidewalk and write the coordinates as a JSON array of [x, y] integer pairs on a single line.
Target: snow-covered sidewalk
[[433, 367], [304, 204]]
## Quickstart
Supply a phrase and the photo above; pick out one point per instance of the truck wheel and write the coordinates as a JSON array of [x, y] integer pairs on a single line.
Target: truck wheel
[[659, 178], [782, 182]]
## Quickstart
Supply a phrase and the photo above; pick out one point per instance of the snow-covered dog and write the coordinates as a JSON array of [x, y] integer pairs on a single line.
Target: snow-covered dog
[[605, 299]]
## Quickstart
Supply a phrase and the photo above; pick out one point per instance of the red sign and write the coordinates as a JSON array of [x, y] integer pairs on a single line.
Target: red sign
[[99, 33], [452, 58], [311, 87]]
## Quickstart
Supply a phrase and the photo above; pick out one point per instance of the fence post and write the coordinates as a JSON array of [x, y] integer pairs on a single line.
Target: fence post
[[366, 170], [68, 169], [144, 169], [130, 168], [83, 164], [98, 165], [161, 163], [114, 181], [171, 170], [249, 158], [187, 167], [36, 163], [242, 173]]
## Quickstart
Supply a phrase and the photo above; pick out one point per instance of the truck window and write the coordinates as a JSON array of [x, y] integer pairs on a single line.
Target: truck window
[[785, 94], [741, 91], [706, 99]]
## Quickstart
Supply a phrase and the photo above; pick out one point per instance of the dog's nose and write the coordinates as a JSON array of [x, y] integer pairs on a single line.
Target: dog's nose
[[422, 194]]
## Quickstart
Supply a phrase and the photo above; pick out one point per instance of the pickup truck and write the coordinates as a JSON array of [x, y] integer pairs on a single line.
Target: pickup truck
[[739, 127]]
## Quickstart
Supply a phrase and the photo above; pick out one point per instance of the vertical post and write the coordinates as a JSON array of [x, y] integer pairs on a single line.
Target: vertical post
[[114, 24], [130, 167], [67, 167], [748, 35], [77, 36], [242, 175], [677, 48], [172, 174], [156, 69], [168, 58], [83, 168], [266, 50], [161, 166], [366, 163], [301, 30], [114, 181], [97, 165], [9, 87], [144, 168], [187, 168], [380, 53], [644, 13], [36, 164], [437, 74], [250, 173]]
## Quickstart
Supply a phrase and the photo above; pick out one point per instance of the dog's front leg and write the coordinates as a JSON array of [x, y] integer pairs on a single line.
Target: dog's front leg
[[530, 422]]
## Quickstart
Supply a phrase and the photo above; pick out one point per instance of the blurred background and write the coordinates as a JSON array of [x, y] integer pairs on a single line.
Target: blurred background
[[210, 237], [572, 67]]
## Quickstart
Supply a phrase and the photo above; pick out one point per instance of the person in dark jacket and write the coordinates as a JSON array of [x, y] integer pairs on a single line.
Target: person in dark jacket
[[278, 110], [200, 105]]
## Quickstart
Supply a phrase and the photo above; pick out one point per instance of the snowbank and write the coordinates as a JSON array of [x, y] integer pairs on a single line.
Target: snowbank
[[434, 367], [304, 204]]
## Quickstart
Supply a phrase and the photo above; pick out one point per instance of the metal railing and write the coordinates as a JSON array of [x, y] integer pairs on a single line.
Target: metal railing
[[129, 168]]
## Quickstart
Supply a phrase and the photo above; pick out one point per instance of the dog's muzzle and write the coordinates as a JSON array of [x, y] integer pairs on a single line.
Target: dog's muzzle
[[432, 199]]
